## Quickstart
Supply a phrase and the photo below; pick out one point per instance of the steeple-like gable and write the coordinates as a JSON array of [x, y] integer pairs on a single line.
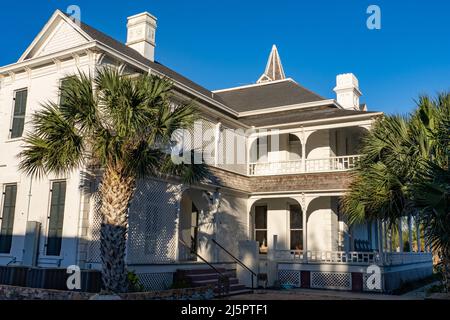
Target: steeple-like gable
[[274, 69]]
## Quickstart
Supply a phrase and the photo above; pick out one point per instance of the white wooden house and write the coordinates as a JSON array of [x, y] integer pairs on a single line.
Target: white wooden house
[[283, 191]]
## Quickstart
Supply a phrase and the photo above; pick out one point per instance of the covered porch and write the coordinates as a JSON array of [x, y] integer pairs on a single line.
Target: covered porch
[[304, 150], [305, 241]]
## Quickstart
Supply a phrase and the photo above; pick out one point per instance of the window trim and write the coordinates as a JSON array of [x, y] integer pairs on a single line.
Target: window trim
[[11, 122]]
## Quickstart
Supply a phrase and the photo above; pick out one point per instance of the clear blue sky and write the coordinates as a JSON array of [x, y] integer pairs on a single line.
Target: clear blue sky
[[224, 44]]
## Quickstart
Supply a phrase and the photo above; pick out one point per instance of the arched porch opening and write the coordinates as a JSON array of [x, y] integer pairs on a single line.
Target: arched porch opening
[[195, 225], [277, 216]]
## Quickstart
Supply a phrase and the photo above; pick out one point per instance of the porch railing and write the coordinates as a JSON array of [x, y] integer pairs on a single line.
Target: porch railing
[[343, 257], [399, 258], [299, 166], [328, 256]]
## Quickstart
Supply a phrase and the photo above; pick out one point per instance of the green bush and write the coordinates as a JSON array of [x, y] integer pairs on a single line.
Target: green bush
[[134, 284]]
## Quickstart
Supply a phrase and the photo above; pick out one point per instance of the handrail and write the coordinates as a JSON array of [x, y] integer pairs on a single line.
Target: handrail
[[237, 260], [221, 275]]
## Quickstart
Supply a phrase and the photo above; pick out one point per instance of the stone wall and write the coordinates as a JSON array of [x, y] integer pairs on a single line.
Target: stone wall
[[24, 293]]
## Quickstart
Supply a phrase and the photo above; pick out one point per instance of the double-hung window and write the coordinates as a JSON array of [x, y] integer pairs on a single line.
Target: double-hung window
[[296, 227], [261, 227], [7, 217], [18, 120], [56, 218]]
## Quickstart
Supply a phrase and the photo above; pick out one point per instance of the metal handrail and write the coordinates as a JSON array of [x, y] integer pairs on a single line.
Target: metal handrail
[[221, 275], [237, 260]]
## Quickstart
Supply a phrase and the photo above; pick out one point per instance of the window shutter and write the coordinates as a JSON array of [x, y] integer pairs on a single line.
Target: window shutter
[[7, 221], [56, 218], [20, 105]]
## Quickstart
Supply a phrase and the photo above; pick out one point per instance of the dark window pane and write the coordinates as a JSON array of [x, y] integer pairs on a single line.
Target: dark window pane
[[296, 217], [261, 217], [296, 240], [56, 219], [7, 221], [62, 93], [20, 105]]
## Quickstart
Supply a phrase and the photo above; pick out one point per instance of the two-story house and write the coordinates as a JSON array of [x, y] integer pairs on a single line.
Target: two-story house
[[281, 156]]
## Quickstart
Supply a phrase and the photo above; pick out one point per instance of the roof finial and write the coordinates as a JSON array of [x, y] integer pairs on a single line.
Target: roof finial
[[274, 69]]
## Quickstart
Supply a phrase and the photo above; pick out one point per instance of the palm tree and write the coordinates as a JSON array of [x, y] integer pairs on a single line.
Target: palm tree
[[404, 170], [431, 194], [119, 124]]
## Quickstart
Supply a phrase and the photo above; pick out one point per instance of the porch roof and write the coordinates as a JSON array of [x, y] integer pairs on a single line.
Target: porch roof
[[294, 116]]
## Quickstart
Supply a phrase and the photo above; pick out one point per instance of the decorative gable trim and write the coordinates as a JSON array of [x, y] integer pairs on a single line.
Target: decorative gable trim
[[46, 34]]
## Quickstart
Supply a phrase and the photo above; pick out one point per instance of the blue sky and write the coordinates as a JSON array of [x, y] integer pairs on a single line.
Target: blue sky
[[224, 44]]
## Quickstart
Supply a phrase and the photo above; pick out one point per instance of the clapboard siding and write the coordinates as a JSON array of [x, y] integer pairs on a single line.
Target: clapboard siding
[[64, 37]]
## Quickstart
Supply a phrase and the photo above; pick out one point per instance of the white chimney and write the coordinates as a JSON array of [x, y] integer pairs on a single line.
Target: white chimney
[[347, 91], [141, 34]]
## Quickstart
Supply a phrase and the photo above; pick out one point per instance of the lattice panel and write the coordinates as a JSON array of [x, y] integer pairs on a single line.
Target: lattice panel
[[208, 141], [331, 280], [152, 223], [290, 277], [95, 222], [201, 138], [156, 281], [232, 150]]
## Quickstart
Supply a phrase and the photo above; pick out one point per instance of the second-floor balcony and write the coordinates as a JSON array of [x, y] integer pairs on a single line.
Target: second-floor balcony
[[341, 163]]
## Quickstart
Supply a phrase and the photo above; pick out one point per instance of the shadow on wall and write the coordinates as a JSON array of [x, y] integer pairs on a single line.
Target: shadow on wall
[[224, 225], [152, 221], [231, 226]]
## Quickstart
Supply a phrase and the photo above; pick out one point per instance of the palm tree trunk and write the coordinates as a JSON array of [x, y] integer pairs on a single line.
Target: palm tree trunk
[[446, 271], [116, 192]]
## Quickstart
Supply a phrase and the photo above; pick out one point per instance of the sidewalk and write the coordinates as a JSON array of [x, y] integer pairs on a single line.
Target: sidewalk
[[311, 294]]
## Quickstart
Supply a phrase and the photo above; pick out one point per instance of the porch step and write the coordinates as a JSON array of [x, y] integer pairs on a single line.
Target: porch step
[[200, 271], [198, 283], [202, 277], [210, 276]]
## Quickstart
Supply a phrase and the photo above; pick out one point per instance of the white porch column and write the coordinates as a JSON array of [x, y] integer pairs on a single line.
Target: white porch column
[[304, 207], [379, 226], [217, 144], [400, 234], [303, 155], [390, 240], [419, 242], [385, 234], [410, 235]]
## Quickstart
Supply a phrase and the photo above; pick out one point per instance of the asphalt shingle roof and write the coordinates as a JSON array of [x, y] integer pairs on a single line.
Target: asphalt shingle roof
[[250, 98], [267, 95]]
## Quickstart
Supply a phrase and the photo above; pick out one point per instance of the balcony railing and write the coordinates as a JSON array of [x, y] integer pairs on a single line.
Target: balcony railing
[[299, 166], [360, 258]]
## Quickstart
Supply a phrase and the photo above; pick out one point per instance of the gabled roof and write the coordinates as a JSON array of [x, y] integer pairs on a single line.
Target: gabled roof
[[274, 69], [267, 95], [122, 48], [90, 34], [262, 96], [58, 28]]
